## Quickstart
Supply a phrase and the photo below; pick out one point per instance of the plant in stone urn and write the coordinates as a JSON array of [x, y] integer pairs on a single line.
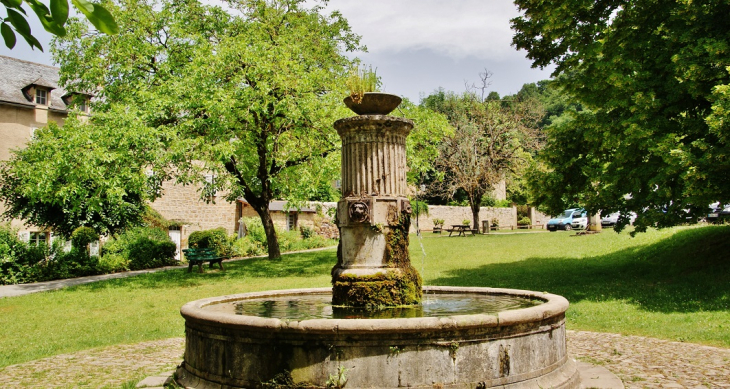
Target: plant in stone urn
[[438, 223], [361, 81], [364, 98]]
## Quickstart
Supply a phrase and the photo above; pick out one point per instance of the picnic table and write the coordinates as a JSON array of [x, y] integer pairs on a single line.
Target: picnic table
[[460, 229]]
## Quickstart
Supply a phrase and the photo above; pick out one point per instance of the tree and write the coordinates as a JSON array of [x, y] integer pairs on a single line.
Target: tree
[[53, 20], [422, 145], [489, 140], [647, 75], [250, 94], [83, 175], [548, 96]]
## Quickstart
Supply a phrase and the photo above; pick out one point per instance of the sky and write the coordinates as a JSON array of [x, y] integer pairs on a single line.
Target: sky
[[417, 46]]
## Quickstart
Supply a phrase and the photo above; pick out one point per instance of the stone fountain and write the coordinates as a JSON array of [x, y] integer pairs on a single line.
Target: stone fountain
[[377, 327]]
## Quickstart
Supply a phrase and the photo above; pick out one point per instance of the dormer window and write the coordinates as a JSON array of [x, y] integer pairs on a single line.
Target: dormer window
[[39, 91], [41, 96], [79, 101]]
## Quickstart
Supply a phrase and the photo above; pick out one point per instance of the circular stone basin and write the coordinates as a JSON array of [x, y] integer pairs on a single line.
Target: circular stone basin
[[458, 338]]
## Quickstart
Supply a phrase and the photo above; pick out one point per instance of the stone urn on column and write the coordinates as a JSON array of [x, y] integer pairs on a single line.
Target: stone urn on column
[[373, 265]]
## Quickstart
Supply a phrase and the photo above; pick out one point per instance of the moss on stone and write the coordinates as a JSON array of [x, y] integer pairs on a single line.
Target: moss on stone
[[399, 284], [380, 290], [284, 380], [396, 248]]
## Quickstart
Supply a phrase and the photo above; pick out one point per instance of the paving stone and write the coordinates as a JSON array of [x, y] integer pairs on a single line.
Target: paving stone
[[593, 376], [154, 381]]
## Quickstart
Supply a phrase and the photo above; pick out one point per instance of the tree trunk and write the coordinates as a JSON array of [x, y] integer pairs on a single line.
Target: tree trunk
[[272, 241], [475, 212], [261, 206]]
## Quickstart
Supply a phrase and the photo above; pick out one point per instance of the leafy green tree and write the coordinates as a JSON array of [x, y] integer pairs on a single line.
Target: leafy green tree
[[53, 19], [249, 93], [83, 175], [422, 145], [652, 136], [549, 97], [490, 139]]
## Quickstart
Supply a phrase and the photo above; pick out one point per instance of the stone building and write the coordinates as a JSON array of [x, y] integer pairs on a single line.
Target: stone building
[[30, 98], [183, 204]]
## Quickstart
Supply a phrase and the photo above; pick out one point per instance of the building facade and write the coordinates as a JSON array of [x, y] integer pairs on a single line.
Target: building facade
[[30, 98]]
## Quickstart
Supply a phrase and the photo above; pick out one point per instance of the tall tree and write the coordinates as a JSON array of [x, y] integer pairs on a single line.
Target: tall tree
[[249, 94], [645, 72], [490, 139], [422, 145]]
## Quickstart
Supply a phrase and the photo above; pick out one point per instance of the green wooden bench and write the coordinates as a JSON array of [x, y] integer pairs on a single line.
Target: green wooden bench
[[200, 255]]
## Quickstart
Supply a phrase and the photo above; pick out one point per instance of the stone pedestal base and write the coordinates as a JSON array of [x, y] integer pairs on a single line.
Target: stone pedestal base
[[387, 287]]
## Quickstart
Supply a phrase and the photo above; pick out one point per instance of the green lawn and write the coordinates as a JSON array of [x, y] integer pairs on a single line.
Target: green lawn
[[672, 284]]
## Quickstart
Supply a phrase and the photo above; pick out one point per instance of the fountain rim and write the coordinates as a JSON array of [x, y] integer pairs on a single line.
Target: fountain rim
[[553, 305]]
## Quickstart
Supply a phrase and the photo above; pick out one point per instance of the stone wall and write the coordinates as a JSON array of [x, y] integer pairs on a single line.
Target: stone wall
[[456, 215], [183, 204], [538, 217]]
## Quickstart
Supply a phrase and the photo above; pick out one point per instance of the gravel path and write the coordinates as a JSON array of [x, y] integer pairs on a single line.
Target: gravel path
[[639, 362]]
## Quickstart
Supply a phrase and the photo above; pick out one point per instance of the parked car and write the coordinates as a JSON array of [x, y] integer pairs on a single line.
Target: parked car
[[718, 213], [563, 222], [580, 222], [612, 219]]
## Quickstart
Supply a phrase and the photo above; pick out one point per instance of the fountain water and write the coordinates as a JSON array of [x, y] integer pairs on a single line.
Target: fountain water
[[292, 338]]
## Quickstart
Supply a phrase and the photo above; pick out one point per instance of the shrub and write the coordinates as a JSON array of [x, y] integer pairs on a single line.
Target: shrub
[[121, 243], [315, 241], [247, 247], [152, 218], [466, 222], [145, 253], [488, 201], [288, 240], [21, 262], [307, 232], [142, 248], [255, 230], [524, 221], [254, 243], [82, 236], [113, 263], [75, 263], [438, 222], [215, 239], [10, 245]]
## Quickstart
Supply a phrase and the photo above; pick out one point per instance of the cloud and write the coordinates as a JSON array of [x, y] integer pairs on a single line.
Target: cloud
[[459, 29]]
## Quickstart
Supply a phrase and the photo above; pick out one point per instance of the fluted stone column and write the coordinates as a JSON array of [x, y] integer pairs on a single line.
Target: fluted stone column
[[373, 267]]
